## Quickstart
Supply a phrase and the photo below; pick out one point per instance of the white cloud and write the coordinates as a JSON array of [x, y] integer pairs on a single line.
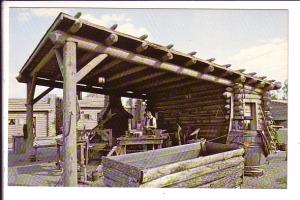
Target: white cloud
[[48, 12], [23, 16], [269, 58], [27, 14], [125, 24], [16, 89]]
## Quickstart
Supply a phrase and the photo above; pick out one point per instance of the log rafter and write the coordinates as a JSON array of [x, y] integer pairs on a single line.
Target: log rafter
[[60, 37], [89, 67], [138, 81], [90, 89], [159, 83], [129, 72]]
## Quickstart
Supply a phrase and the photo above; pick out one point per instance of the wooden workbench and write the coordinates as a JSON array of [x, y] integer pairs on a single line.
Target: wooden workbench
[[125, 141]]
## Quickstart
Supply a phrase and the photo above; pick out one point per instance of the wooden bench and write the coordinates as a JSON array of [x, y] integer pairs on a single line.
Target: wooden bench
[[43, 142]]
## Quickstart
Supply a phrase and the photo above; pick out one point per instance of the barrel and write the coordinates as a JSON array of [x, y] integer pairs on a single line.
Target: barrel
[[18, 144], [252, 142]]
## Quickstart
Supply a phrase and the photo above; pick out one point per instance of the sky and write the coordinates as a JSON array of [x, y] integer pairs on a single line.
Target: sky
[[255, 40]]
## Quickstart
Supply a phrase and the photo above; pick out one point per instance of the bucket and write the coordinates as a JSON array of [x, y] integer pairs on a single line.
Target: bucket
[[254, 158]]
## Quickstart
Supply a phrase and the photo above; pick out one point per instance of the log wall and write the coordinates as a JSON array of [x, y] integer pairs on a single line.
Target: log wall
[[201, 107], [243, 95], [222, 167]]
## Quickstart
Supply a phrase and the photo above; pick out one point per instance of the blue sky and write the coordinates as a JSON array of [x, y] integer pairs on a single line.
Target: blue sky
[[256, 40]]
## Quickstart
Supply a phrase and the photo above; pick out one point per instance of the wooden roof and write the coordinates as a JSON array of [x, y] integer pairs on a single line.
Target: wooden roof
[[127, 76]]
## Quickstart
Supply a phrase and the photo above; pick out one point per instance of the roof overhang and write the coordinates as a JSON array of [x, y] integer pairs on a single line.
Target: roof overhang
[[133, 66]]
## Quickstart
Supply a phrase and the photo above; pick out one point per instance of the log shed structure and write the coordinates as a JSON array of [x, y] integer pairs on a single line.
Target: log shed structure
[[79, 56]]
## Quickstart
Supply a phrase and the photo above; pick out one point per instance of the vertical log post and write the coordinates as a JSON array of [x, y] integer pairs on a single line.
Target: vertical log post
[[69, 115], [29, 117]]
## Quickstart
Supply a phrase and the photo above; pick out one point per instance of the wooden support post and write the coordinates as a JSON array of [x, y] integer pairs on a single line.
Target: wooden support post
[[69, 115], [79, 95], [29, 114]]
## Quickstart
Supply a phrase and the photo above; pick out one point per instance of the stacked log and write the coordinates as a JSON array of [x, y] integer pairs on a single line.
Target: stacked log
[[223, 167], [229, 106], [202, 106], [266, 101], [238, 90]]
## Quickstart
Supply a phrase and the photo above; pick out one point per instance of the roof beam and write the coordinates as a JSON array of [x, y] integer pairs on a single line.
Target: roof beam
[[142, 47], [129, 72], [104, 68], [209, 69], [61, 37], [43, 61], [138, 81], [159, 83], [176, 86], [83, 88], [89, 67]]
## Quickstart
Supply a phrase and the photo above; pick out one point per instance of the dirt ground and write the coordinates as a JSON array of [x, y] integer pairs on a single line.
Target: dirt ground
[[44, 172], [275, 174]]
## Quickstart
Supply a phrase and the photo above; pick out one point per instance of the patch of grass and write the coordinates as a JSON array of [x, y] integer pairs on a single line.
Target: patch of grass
[[282, 180]]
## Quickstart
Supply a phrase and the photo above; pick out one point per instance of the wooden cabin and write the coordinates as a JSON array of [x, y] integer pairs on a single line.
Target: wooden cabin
[[279, 110], [47, 117], [89, 109], [180, 87]]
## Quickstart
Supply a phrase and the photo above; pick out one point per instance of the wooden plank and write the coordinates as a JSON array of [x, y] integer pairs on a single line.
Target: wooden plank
[[165, 159], [125, 168], [89, 67], [164, 151], [192, 173], [154, 173], [219, 174], [90, 45], [119, 176]]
